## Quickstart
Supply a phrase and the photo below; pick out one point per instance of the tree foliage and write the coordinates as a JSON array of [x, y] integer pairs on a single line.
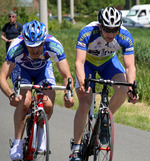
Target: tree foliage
[[89, 6], [85, 6]]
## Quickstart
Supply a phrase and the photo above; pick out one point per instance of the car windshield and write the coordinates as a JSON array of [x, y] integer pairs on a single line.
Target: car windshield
[[132, 13], [126, 20]]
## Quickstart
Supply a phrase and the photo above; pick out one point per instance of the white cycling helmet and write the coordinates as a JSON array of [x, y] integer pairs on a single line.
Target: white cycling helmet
[[110, 17]]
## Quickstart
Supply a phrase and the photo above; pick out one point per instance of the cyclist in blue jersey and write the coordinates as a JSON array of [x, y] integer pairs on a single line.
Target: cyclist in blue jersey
[[29, 56], [96, 52]]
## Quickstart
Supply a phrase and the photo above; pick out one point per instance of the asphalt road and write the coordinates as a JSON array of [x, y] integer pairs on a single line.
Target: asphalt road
[[130, 144]]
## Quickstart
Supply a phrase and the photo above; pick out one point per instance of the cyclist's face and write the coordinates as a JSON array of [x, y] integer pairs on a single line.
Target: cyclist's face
[[109, 33], [35, 52]]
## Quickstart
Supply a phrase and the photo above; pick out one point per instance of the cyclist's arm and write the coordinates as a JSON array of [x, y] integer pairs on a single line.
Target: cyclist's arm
[[130, 74], [5, 72], [130, 68], [64, 70], [79, 68]]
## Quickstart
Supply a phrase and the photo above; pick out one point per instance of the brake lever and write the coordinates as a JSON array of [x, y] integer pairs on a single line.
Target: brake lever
[[45, 85], [134, 90], [17, 86], [69, 88], [134, 87], [87, 83]]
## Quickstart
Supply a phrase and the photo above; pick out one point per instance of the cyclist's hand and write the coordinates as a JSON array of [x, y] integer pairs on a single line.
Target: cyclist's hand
[[68, 102], [14, 101], [132, 99], [82, 90]]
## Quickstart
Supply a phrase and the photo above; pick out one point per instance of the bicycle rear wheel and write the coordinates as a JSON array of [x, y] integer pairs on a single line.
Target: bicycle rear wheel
[[104, 151], [42, 155]]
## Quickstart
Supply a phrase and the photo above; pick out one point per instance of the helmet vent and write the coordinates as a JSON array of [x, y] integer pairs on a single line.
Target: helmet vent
[[112, 20], [111, 12], [39, 36], [106, 22], [26, 37], [107, 15], [32, 35]]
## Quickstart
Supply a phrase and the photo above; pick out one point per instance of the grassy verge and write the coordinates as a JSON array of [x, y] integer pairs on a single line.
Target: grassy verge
[[136, 116]]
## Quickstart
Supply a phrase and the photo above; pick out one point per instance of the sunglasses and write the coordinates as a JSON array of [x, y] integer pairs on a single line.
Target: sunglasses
[[111, 30], [11, 16]]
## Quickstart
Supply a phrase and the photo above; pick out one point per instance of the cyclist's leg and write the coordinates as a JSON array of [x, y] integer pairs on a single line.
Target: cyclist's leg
[[42, 139], [84, 105], [80, 123], [115, 71], [120, 93], [81, 114], [20, 113], [49, 102]]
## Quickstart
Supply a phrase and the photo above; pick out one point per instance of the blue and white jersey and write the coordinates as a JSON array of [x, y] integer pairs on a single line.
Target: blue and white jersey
[[98, 49], [19, 54]]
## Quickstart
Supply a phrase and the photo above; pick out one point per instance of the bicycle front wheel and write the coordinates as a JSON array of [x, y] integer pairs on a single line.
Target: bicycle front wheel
[[103, 150], [42, 155]]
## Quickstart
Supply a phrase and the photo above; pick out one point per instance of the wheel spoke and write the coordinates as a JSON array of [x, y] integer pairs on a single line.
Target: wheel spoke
[[104, 152]]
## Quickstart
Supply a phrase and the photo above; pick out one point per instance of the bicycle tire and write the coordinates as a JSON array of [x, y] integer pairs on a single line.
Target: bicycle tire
[[42, 156], [88, 140], [104, 152], [84, 142]]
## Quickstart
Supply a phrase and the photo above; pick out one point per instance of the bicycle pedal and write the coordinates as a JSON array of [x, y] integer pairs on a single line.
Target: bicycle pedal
[[71, 143], [11, 143], [50, 152]]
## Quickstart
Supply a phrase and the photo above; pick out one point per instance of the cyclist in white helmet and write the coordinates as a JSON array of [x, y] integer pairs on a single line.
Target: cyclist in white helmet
[[29, 56], [96, 52]]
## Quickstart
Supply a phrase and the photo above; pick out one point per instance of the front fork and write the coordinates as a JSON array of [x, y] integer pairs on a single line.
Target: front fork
[[32, 140]]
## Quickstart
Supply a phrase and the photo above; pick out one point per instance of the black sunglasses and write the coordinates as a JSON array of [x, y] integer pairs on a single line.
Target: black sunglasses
[[11, 16], [110, 30]]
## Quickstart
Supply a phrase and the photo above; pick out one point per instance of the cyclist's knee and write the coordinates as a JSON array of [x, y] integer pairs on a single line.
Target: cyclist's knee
[[49, 111], [26, 105], [84, 105], [48, 107], [121, 91], [26, 100], [124, 90]]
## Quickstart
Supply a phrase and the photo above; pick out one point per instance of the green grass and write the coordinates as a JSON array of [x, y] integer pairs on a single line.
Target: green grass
[[136, 116]]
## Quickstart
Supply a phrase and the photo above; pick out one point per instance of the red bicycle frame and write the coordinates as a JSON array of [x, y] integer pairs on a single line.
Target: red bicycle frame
[[31, 145]]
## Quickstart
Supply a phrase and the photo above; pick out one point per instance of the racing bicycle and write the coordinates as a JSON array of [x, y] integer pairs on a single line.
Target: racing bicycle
[[98, 137], [35, 118]]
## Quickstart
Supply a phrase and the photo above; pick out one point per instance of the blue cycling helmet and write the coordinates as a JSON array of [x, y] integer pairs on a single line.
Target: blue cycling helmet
[[34, 33]]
